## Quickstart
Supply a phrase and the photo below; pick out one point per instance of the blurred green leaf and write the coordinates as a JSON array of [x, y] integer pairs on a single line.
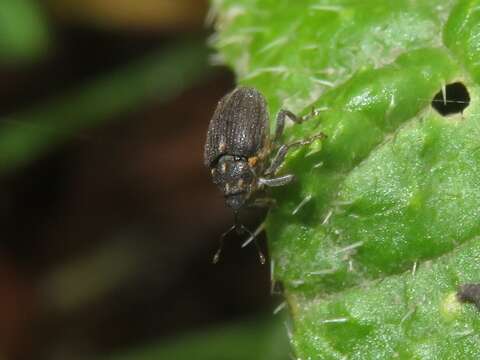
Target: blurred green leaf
[[161, 76], [23, 30], [255, 340]]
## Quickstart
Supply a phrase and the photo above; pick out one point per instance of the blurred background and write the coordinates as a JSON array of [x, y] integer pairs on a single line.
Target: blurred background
[[109, 220]]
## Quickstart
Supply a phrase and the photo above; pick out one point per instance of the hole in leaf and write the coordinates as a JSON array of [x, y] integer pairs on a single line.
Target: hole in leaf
[[453, 100]]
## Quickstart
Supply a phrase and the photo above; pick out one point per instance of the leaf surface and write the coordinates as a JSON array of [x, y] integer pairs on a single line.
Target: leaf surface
[[382, 226]]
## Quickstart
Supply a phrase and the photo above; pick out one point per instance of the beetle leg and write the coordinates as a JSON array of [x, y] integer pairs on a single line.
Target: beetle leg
[[280, 122], [277, 181], [283, 150], [277, 160], [283, 114], [263, 202]]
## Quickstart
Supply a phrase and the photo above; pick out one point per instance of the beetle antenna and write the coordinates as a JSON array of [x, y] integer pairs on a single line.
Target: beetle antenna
[[216, 257], [239, 228], [253, 236], [260, 253]]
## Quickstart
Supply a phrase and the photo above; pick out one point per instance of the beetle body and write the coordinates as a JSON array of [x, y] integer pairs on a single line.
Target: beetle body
[[237, 143], [238, 148]]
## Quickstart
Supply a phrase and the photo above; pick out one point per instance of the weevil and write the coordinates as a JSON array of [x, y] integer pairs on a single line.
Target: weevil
[[238, 151]]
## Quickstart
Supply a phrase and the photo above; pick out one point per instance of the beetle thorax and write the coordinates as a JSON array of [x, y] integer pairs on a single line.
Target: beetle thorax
[[235, 177]]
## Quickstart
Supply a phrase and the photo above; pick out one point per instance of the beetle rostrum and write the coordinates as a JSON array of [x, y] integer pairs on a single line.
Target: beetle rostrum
[[235, 178], [238, 149]]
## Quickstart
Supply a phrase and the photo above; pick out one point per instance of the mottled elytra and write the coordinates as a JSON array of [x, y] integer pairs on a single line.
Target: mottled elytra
[[238, 149]]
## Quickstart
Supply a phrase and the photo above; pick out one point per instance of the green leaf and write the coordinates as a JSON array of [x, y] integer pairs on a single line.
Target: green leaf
[[23, 30], [254, 340], [161, 75], [389, 219]]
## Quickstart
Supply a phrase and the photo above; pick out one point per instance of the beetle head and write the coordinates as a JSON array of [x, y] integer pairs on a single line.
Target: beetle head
[[233, 175], [236, 201]]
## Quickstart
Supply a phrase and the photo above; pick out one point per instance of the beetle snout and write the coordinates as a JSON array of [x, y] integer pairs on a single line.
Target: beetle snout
[[235, 201]]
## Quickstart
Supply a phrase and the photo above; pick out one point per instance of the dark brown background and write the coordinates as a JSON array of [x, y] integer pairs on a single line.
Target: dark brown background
[[107, 241]]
